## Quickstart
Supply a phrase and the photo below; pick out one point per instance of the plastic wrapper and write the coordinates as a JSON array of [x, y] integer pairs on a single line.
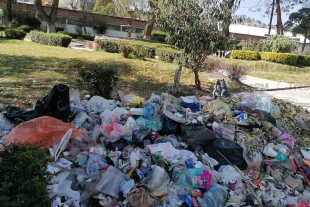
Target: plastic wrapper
[[209, 160], [126, 187], [145, 126], [218, 107], [5, 125], [195, 177], [302, 121], [45, 131], [173, 140], [131, 124], [216, 196], [227, 131], [79, 119], [110, 182], [150, 111], [153, 99], [98, 104], [264, 103], [120, 111], [287, 139]]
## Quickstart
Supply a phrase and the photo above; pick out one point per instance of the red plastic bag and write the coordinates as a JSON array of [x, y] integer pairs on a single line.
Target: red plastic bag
[[45, 131]]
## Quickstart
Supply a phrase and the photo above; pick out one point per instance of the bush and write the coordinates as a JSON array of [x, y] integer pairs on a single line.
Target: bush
[[24, 177], [60, 28], [278, 44], [284, 58], [25, 28], [140, 51], [303, 60], [159, 36], [132, 56], [54, 39], [87, 37], [23, 18], [15, 34], [107, 45], [166, 54], [245, 55], [100, 26], [3, 27], [99, 80]]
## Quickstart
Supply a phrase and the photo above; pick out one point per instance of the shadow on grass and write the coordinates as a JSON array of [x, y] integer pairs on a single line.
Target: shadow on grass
[[25, 79]]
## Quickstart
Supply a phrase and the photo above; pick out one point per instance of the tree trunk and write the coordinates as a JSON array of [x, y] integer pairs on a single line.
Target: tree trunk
[[271, 16], [227, 24], [51, 18], [149, 28], [177, 76], [197, 80], [9, 10], [279, 19], [304, 43]]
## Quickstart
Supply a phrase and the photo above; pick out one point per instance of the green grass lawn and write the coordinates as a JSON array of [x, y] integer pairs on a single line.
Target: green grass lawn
[[29, 70], [274, 71]]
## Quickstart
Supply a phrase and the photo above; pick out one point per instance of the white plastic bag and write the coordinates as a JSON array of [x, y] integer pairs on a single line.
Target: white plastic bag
[[99, 104], [74, 96]]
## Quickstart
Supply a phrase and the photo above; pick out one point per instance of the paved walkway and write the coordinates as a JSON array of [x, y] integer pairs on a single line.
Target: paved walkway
[[297, 96]]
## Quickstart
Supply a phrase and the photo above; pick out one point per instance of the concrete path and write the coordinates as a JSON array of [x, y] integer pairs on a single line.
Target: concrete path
[[297, 96]]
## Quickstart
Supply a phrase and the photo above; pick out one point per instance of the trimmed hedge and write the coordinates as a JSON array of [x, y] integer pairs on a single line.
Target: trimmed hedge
[[15, 34], [139, 51], [303, 60], [25, 28], [159, 36], [166, 54], [54, 39], [107, 45], [245, 55], [284, 58]]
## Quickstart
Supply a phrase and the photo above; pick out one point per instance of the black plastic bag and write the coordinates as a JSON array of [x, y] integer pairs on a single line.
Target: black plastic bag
[[56, 104], [197, 135], [232, 151], [169, 126]]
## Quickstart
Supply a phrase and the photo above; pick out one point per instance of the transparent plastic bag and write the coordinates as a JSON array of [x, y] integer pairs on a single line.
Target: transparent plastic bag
[[150, 111], [158, 180], [5, 125]]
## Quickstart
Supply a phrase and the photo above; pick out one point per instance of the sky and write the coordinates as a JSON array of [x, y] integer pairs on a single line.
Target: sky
[[245, 5]]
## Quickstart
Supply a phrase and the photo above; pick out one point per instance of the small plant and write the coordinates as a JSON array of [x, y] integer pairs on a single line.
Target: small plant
[[24, 177], [99, 80], [132, 56], [15, 34]]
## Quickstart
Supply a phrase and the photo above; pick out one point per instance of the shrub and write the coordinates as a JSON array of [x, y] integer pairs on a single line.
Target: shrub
[[73, 35], [24, 18], [303, 60], [99, 80], [100, 26], [107, 45], [87, 37], [24, 177], [166, 54], [60, 28], [245, 55], [3, 27], [140, 51], [235, 72], [15, 34], [278, 44], [284, 58], [159, 36], [25, 28], [54, 39], [132, 56]]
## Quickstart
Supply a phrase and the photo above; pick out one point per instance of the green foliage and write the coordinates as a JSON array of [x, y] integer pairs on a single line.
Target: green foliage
[[24, 18], [99, 80], [25, 28], [105, 7], [248, 45], [245, 55], [303, 60], [132, 56], [278, 43], [283, 58], [100, 26], [140, 51], [54, 39], [87, 37], [159, 36], [166, 54], [60, 28], [15, 34], [107, 45], [24, 177], [78, 36]]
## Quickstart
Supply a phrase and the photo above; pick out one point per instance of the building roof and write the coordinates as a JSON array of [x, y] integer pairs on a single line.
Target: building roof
[[257, 31]]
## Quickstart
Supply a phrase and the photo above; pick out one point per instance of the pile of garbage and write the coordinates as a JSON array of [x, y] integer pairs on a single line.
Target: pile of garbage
[[247, 150]]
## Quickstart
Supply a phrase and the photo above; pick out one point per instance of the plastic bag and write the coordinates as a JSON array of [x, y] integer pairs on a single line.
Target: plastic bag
[[197, 134], [218, 107], [74, 96], [264, 103], [216, 196], [126, 187], [5, 125], [302, 121], [110, 182], [79, 119], [231, 151], [209, 160], [153, 99], [131, 125], [98, 104], [150, 111], [231, 178], [173, 140], [248, 103], [275, 111], [287, 139], [120, 111], [227, 131], [158, 181], [145, 126], [45, 131], [170, 126]]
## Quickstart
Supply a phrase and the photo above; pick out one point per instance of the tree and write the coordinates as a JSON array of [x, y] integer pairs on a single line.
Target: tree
[[151, 19], [85, 6], [9, 10], [51, 18], [105, 7], [300, 23], [193, 27]]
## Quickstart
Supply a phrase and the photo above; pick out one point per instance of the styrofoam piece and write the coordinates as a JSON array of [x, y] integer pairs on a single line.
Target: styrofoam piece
[[136, 111]]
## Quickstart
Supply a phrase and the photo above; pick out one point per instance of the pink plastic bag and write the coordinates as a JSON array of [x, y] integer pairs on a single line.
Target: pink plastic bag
[[287, 139], [45, 131]]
